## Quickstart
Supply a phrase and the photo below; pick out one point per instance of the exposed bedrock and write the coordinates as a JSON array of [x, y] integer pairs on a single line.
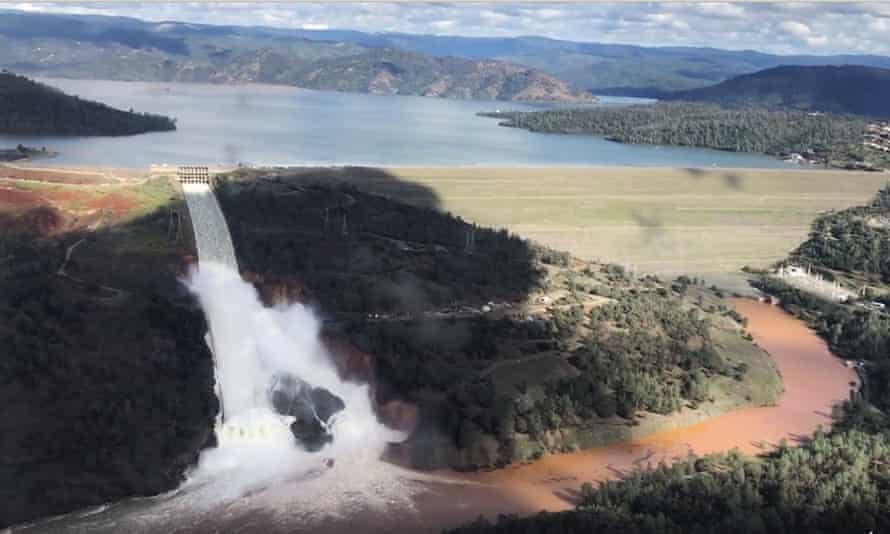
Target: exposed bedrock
[[313, 409]]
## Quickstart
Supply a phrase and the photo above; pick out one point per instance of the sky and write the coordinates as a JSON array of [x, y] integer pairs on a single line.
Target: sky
[[783, 28]]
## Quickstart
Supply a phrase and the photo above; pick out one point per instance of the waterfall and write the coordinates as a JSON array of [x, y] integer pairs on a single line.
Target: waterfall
[[257, 351]]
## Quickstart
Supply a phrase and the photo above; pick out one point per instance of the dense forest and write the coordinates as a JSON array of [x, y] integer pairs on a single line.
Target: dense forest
[[826, 88], [31, 108], [700, 125], [410, 286], [855, 239], [833, 482], [105, 395]]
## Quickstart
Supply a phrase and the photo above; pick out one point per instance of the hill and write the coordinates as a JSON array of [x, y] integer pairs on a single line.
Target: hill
[[852, 240], [833, 482], [508, 349], [31, 108], [430, 309], [390, 71], [831, 89], [126, 48], [827, 137]]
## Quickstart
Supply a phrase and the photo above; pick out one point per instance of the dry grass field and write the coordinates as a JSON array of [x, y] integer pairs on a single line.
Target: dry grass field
[[663, 220]]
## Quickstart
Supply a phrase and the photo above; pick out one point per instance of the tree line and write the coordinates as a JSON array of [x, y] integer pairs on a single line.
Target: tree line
[[834, 482], [31, 108], [700, 125], [855, 239]]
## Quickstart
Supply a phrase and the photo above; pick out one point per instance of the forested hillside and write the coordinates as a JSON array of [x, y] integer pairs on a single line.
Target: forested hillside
[[834, 482], [508, 349], [836, 89], [855, 239], [699, 125], [31, 108]]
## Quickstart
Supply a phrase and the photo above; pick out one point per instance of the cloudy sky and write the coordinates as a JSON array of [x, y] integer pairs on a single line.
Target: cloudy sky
[[814, 27]]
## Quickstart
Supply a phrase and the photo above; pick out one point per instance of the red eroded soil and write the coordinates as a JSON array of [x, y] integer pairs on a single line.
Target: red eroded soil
[[53, 176], [12, 199], [117, 202]]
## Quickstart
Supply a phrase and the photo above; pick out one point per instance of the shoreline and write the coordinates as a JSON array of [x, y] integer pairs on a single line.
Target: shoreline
[[548, 484], [221, 167], [815, 380]]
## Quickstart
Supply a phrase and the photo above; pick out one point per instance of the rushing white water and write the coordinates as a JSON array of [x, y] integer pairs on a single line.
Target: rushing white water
[[209, 224], [253, 347], [258, 478]]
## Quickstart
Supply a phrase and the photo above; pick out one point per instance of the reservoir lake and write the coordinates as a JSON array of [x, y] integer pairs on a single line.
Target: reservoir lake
[[279, 125]]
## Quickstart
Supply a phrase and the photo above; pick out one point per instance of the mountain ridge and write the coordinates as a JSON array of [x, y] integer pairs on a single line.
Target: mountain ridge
[[600, 68], [853, 89]]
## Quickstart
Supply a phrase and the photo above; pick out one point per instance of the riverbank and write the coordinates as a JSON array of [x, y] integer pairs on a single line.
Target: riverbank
[[814, 380]]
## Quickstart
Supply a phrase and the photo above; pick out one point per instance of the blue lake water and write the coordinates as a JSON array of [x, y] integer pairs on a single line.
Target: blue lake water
[[274, 125]]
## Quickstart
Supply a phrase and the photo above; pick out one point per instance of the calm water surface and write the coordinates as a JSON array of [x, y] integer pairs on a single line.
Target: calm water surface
[[275, 125]]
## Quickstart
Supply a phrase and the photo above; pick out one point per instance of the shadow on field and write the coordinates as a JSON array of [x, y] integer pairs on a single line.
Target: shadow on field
[[732, 179], [359, 240], [402, 282], [366, 179]]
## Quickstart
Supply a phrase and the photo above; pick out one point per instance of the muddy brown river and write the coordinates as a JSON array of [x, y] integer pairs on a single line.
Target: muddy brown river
[[815, 381]]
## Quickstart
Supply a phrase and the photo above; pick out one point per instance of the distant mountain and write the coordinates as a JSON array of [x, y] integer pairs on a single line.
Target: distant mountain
[[599, 67], [387, 71], [838, 89], [31, 108], [131, 49]]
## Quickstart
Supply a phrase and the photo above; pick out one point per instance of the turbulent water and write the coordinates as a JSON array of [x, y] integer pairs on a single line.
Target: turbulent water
[[253, 345]]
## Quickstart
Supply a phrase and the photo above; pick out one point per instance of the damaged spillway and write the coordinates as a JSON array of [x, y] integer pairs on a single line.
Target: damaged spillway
[[281, 396]]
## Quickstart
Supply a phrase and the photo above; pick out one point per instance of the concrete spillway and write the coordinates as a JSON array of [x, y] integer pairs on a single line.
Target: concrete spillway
[[214, 246], [209, 224]]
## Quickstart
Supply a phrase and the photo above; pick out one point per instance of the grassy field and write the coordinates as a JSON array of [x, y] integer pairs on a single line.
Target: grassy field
[[659, 220]]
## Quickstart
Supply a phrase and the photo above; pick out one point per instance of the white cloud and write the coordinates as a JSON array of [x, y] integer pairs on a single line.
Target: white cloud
[[816, 27], [797, 29], [817, 41], [443, 25], [722, 9]]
